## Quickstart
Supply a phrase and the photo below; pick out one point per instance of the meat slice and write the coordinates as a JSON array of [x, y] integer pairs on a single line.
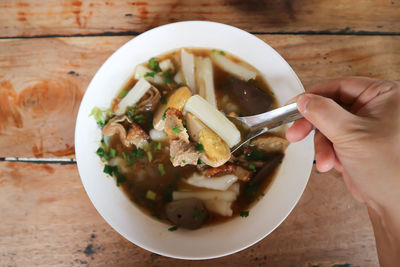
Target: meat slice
[[137, 136], [183, 153], [174, 125], [241, 173]]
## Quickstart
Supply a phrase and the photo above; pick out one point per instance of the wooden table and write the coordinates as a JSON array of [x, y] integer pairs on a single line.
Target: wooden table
[[49, 51]]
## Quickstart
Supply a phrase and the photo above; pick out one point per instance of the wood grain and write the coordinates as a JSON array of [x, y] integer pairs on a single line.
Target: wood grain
[[72, 17], [43, 80], [47, 219]]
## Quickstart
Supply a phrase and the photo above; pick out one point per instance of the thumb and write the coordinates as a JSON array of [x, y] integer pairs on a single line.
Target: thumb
[[326, 115]]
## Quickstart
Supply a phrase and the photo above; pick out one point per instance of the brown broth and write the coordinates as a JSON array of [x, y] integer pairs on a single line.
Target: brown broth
[[143, 175]]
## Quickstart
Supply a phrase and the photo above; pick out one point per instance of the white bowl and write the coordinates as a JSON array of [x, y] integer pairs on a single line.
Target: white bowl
[[146, 232]]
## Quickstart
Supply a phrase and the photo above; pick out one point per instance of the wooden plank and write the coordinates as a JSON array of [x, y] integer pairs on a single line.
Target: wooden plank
[[42, 80], [47, 219], [35, 18]]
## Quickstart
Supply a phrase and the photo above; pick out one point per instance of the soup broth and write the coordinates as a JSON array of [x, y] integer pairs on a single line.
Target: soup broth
[[145, 171]]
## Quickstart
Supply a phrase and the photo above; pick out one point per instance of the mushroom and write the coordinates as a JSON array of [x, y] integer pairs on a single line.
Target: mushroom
[[188, 213], [136, 135], [270, 143], [252, 99]]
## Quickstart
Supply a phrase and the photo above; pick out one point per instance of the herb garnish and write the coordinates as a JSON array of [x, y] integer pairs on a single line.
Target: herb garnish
[[123, 93], [173, 228], [199, 147], [137, 153], [252, 167], [244, 214], [176, 129], [150, 74], [113, 170], [154, 64], [168, 77], [161, 170]]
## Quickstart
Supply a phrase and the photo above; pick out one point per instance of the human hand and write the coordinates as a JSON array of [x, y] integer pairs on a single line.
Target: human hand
[[358, 133]]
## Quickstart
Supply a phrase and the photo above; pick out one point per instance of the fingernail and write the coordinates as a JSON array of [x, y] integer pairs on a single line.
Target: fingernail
[[302, 102]]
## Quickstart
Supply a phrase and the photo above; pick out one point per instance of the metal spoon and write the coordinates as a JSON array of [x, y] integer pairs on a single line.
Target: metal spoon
[[253, 126]]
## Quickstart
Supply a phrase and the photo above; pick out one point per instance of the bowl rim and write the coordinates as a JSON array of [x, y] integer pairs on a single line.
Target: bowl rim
[[77, 134]]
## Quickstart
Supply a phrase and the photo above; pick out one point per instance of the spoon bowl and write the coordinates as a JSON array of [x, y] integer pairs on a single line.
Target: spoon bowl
[[253, 126]]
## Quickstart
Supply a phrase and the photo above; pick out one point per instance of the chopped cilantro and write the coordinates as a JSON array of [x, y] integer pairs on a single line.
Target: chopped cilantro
[[155, 145], [183, 161], [163, 100], [176, 129], [197, 214], [222, 53], [123, 93], [113, 170], [252, 167], [164, 116], [151, 195], [168, 77], [112, 152], [244, 214], [150, 74], [130, 111], [127, 158], [149, 156], [100, 116], [103, 155], [199, 161], [154, 64], [138, 117], [173, 228], [161, 170], [138, 153], [199, 147], [108, 169]]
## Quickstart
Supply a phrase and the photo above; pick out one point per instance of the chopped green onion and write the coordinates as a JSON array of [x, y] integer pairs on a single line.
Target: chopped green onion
[[256, 155], [138, 153], [199, 161], [103, 155], [100, 115], [108, 169], [150, 74], [113, 170], [176, 129], [112, 153], [168, 77], [130, 111], [244, 214], [197, 214], [155, 145], [138, 117], [161, 170], [222, 53], [173, 228], [252, 167], [123, 93], [149, 156], [183, 161], [154, 64], [199, 147], [164, 116], [151, 195]]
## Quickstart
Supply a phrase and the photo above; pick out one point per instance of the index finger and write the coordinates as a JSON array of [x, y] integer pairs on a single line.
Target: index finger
[[345, 91]]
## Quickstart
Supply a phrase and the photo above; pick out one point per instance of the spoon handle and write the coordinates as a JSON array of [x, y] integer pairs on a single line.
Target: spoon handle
[[273, 118]]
